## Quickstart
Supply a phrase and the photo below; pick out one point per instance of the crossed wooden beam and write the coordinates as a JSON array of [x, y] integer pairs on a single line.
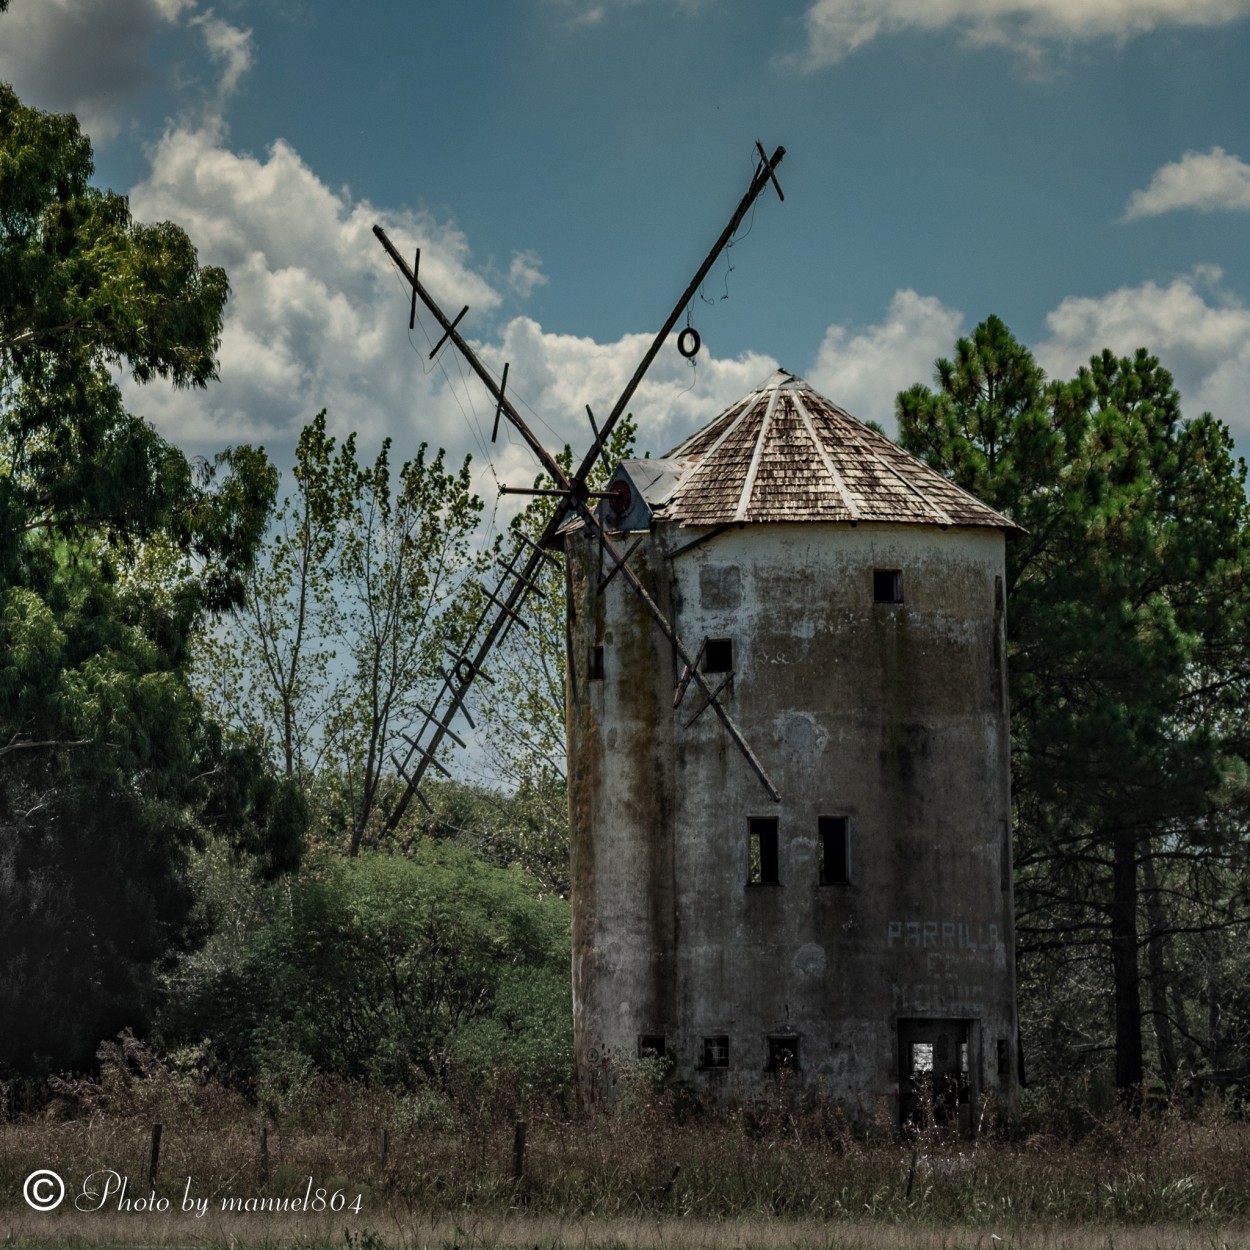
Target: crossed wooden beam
[[503, 605]]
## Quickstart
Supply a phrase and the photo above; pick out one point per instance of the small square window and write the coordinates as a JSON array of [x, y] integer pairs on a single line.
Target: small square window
[[762, 865], [716, 1052], [835, 850], [783, 1054], [596, 664], [718, 655], [887, 586], [651, 1046]]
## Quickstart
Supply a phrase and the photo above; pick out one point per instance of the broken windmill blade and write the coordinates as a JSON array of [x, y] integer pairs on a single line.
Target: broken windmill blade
[[616, 568], [574, 496], [501, 611], [764, 174], [683, 653], [687, 674], [598, 444], [703, 707]]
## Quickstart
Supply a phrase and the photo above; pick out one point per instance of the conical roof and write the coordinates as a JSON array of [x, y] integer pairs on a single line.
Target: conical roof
[[785, 453]]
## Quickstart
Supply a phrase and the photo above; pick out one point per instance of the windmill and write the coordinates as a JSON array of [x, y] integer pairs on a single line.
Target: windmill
[[505, 601], [856, 940]]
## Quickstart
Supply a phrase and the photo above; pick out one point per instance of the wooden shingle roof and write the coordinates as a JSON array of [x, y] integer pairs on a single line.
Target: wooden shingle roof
[[785, 453]]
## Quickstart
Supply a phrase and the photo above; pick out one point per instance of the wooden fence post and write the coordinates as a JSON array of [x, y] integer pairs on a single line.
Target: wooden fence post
[[154, 1156], [518, 1150]]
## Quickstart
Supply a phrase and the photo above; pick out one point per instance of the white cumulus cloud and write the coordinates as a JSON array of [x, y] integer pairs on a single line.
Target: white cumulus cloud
[[526, 273], [835, 28], [229, 46], [316, 316], [864, 370], [557, 375], [1208, 181], [1200, 333]]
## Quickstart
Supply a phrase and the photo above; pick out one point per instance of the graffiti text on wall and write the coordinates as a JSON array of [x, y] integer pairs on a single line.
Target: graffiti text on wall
[[941, 935]]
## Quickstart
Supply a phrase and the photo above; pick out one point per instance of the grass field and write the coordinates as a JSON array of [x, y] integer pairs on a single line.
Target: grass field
[[334, 1164], [637, 1179]]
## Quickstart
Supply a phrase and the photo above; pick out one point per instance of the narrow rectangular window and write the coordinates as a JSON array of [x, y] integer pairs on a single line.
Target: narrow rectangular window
[[1004, 1057], [887, 586], [596, 664], [783, 1054], [835, 851], [651, 1046], [716, 1052], [762, 842], [718, 655], [1004, 855]]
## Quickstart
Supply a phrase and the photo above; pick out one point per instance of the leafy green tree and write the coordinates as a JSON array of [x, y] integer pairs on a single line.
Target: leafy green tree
[[347, 614], [113, 551], [505, 827], [1127, 617], [389, 968]]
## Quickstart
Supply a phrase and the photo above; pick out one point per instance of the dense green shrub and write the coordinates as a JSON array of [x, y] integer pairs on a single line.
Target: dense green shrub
[[394, 970]]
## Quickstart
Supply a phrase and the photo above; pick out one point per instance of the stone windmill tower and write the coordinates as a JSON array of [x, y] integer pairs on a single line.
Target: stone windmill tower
[[787, 731], [847, 602]]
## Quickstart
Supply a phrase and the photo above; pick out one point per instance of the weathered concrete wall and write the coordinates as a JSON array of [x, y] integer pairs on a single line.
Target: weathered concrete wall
[[893, 716], [621, 788]]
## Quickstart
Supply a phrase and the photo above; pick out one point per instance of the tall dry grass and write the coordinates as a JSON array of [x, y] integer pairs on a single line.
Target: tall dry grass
[[444, 1175]]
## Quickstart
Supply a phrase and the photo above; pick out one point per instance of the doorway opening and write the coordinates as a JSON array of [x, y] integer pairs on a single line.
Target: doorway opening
[[935, 1076]]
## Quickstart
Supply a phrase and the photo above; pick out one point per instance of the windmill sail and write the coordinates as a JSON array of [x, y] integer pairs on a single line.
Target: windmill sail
[[505, 601]]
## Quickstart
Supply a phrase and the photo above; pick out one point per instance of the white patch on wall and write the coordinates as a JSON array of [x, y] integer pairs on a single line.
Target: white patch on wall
[[809, 960], [800, 733]]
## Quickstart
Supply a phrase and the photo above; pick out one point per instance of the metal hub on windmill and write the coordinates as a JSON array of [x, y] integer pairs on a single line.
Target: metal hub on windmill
[[788, 754]]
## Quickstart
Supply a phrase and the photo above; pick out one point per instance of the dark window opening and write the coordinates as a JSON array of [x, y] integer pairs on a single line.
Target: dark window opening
[[1004, 1057], [718, 655], [783, 1054], [596, 663], [762, 841], [835, 858], [651, 1046], [716, 1052], [887, 586]]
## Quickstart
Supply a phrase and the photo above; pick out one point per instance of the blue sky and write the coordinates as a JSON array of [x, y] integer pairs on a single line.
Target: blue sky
[[1079, 167]]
